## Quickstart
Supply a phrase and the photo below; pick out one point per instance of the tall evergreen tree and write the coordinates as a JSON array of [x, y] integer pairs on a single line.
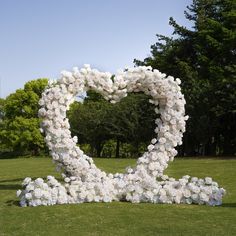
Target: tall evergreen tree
[[204, 58]]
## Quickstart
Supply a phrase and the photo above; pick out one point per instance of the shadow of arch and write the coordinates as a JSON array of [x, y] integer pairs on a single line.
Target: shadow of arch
[[10, 186], [11, 180], [229, 204], [13, 203]]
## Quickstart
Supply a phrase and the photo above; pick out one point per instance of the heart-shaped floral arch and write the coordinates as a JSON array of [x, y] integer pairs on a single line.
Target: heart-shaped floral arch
[[84, 182]]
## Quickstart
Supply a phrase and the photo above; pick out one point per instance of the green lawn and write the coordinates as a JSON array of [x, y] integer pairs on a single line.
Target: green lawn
[[117, 218]]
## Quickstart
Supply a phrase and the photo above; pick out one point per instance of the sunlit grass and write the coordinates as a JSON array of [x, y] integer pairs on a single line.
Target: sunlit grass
[[117, 218]]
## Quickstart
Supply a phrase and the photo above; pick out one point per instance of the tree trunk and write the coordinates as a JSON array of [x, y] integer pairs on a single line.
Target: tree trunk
[[117, 148], [35, 151], [207, 148], [136, 149], [99, 149], [227, 148]]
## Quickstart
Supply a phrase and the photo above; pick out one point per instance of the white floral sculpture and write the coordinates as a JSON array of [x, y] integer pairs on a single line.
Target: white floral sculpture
[[84, 182]]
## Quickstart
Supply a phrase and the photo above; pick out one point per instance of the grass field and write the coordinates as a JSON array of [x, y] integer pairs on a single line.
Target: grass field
[[117, 218]]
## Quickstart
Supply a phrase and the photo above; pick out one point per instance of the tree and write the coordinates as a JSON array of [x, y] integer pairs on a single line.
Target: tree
[[87, 121], [20, 122], [204, 58], [131, 121], [23, 135], [2, 101], [96, 121]]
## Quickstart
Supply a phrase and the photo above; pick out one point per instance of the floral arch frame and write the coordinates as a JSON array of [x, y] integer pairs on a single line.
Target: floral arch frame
[[83, 181]]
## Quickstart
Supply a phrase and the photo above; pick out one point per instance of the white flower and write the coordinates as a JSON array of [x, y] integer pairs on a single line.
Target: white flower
[[186, 177], [194, 179], [67, 180], [187, 193], [39, 182], [26, 181], [203, 197], [18, 193], [37, 193], [23, 203], [189, 201], [29, 187], [195, 197], [150, 147], [208, 180], [154, 140], [28, 196], [164, 177]]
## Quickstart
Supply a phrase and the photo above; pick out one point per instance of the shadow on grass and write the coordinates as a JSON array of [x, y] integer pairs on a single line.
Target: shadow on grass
[[11, 155], [10, 186], [229, 204], [6, 185], [13, 203], [17, 155], [11, 180]]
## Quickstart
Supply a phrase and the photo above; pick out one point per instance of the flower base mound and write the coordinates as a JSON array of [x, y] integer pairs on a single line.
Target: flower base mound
[[83, 181]]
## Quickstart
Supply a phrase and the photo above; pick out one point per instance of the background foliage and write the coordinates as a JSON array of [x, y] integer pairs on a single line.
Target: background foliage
[[19, 120], [205, 60]]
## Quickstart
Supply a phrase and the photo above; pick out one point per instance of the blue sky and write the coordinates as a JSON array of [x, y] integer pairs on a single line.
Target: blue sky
[[39, 39]]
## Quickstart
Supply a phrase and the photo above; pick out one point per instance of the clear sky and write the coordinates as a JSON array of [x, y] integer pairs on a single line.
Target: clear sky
[[40, 38]]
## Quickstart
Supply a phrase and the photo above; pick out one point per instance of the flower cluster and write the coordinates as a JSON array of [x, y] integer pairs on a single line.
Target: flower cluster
[[84, 182]]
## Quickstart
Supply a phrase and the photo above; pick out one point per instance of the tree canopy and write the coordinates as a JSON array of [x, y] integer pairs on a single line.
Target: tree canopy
[[19, 119]]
